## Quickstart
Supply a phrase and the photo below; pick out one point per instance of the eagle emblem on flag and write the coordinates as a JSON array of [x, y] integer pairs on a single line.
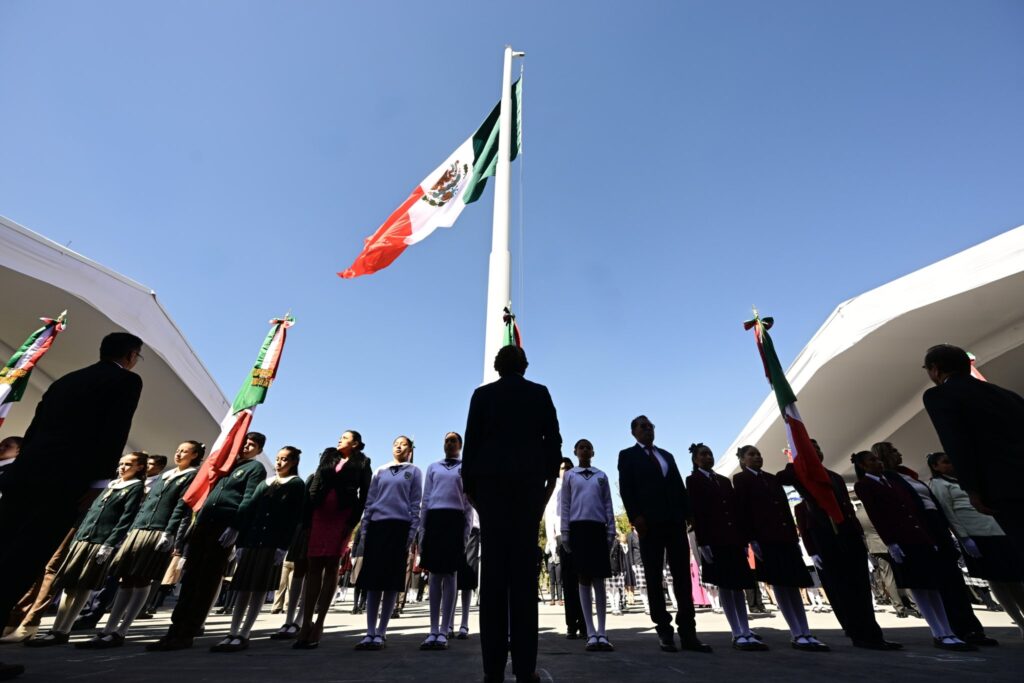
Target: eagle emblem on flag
[[447, 186]]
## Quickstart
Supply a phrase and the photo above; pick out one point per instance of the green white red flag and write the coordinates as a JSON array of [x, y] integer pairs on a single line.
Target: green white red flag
[[512, 336], [14, 376], [809, 469], [236, 424], [440, 198]]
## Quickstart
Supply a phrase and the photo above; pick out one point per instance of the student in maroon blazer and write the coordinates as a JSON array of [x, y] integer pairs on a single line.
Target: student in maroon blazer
[[841, 559], [768, 524], [722, 544], [902, 527]]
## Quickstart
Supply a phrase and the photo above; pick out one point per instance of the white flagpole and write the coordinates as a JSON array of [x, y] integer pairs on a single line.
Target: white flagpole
[[499, 278]]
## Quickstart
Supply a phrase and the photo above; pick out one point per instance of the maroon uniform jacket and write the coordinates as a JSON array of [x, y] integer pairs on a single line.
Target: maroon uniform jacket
[[763, 508], [716, 520], [893, 511]]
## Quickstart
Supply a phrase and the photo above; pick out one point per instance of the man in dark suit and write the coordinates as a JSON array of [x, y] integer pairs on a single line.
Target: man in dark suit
[[979, 425], [72, 447], [509, 469], [656, 503]]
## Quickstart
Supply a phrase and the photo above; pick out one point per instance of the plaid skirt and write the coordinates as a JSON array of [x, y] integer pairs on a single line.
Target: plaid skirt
[[138, 557], [640, 577], [80, 569], [256, 570]]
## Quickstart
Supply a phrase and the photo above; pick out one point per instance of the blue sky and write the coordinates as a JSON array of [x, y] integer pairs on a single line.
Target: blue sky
[[682, 161]]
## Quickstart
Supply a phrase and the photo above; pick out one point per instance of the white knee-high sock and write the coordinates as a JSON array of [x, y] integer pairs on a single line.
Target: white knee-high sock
[[118, 608], [734, 605], [467, 599], [387, 606], [601, 605], [1011, 597], [372, 612], [929, 603], [435, 601], [242, 600], [586, 601], [135, 604], [792, 608], [448, 595], [253, 611], [70, 608]]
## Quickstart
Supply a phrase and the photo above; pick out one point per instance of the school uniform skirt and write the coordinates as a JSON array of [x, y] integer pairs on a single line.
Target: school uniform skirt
[[256, 570], [443, 548], [729, 568], [921, 568], [385, 555], [782, 565], [999, 560], [588, 544], [467, 578], [138, 557], [81, 570]]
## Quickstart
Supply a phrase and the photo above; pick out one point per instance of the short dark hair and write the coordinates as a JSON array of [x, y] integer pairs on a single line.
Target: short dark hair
[[566, 461], [948, 359], [260, 439], [9, 441], [742, 451], [858, 459], [160, 459], [511, 360], [457, 436], [636, 421], [580, 443], [118, 345]]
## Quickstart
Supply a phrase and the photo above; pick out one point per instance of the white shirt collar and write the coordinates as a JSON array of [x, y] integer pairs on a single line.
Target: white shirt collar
[[175, 473], [283, 480], [121, 483]]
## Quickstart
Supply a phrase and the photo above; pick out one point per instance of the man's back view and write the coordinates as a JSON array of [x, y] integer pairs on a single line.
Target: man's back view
[[509, 468]]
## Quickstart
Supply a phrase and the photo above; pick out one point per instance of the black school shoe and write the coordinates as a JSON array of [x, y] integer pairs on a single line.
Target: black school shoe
[[876, 644], [980, 639], [691, 643]]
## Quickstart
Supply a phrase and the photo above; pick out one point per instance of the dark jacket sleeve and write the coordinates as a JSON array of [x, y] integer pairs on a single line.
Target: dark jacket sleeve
[[627, 485], [954, 435], [117, 421], [803, 526], [132, 503], [471, 443], [182, 511], [252, 480], [552, 438], [365, 476], [249, 507], [291, 515]]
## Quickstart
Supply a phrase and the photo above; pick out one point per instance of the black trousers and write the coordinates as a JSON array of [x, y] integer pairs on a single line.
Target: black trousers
[[844, 576], [555, 580], [508, 593], [1010, 515], [571, 594], [33, 522], [661, 541], [205, 564]]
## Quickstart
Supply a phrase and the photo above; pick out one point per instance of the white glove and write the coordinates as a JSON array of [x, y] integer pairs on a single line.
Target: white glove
[[228, 538], [816, 559], [181, 563], [165, 541], [103, 554], [279, 556], [706, 554], [970, 547], [896, 552], [756, 547]]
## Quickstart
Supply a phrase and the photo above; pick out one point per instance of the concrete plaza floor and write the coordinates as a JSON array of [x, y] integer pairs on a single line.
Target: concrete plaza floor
[[637, 657]]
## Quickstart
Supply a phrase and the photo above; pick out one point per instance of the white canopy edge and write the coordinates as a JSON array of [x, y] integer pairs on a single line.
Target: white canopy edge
[[856, 318], [127, 303]]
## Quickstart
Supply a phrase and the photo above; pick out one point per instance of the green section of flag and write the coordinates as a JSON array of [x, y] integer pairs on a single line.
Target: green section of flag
[[485, 144], [254, 389], [10, 374], [776, 376]]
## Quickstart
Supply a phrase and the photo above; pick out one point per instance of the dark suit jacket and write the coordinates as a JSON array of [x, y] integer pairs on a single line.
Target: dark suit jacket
[[763, 508], [715, 517], [512, 448], [980, 427], [79, 430], [646, 493], [814, 518], [894, 511]]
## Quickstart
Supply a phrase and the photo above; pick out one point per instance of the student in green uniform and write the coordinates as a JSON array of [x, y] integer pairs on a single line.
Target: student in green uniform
[[265, 527], [102, 530], [210, 541], [144, 557]]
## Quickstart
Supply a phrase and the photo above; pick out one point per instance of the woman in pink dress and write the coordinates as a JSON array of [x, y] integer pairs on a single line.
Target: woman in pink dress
[[337, 496]]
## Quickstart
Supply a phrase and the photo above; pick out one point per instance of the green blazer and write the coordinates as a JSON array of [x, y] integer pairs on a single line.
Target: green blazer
[[111, 514], [163, 508], [272, 516], [231, 492]]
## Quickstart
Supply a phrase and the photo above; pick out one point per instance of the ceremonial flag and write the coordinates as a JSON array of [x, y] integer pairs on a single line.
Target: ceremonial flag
[[809, 469], [440, 198], [512, 336], [235, 425], [14, 376], [975, 372]]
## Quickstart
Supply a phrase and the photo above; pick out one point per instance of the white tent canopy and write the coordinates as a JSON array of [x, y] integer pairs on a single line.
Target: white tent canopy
[[859, 380], [39, 277]]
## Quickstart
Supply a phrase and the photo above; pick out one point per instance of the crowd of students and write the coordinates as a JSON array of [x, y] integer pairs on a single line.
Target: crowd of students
[[140, 534]]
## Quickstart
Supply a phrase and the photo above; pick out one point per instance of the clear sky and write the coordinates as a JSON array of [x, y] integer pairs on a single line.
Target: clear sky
[[682, 161]]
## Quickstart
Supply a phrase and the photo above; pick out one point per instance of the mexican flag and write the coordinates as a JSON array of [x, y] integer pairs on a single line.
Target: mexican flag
[[808, 467], [512, 336], [440, 198], [14, 376], [236, 424]]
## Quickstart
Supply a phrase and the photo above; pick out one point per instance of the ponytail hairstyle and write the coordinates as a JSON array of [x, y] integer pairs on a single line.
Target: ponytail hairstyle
[[696, 448], [199, 449], [742, 451], [293, 453], [141, 457], [932, 459], [858, 459]]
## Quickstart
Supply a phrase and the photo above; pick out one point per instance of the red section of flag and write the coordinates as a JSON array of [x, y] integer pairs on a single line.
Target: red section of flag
[[220, 460], [810, 471], [387, 244]]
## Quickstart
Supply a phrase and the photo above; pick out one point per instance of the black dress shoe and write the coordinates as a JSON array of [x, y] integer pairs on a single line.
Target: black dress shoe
[[693, 644], [980, 639], [572, 635], [170, 644], [876, 644], [667, 644]]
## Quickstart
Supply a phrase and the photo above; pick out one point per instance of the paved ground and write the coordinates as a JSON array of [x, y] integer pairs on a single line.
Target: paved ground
[[637, 657]]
